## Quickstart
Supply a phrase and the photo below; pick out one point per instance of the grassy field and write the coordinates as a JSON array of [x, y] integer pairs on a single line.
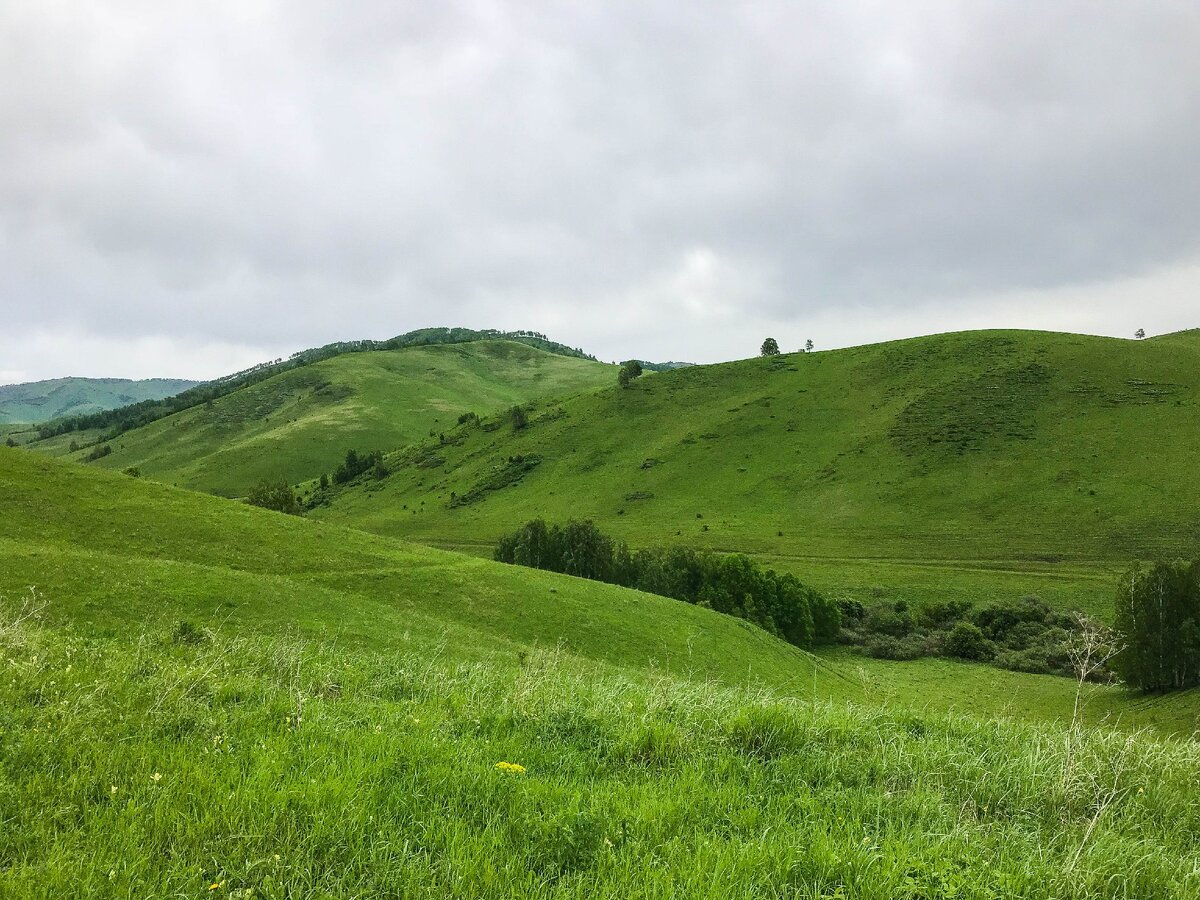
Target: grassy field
[[40, 401], [331, 718], [300, 423], [974, 463]]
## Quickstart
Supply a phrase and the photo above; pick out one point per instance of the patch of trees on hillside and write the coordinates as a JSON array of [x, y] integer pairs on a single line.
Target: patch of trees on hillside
[[1158, 616], [733, 584], [1024, 635]]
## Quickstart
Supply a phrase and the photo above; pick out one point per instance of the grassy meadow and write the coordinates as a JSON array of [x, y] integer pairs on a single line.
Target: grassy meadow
[[206, 699]]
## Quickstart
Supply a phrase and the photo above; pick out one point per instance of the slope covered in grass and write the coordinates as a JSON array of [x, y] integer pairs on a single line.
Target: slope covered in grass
[[1043, 451], [301, 422], [40, 401], [331, 721]]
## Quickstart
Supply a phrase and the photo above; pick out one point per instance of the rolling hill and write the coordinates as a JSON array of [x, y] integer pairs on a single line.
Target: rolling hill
[[245, 701], [301, 421], [966, 464], [41, 401]]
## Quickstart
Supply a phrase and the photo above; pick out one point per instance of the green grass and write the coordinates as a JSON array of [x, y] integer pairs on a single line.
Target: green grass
[[40, 401], [331, 722], [300, 423], [249, 766], [977, 463]]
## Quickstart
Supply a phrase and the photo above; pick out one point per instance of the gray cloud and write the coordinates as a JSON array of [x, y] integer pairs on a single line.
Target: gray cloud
[[638, 178]]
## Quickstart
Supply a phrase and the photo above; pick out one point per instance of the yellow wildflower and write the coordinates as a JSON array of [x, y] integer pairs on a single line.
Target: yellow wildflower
[[511, 768], [216, 885]]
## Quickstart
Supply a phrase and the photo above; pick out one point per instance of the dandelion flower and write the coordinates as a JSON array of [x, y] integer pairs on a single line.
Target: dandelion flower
[[157, 777], [511, 768], [216, 885]]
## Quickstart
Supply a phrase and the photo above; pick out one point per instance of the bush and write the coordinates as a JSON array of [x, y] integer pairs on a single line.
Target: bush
[[276, 495], [942, 614], [895, 620], [967, 641], [882, 646]]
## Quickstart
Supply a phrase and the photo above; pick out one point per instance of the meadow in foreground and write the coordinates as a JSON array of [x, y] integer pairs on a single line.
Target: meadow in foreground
[[191, 761]]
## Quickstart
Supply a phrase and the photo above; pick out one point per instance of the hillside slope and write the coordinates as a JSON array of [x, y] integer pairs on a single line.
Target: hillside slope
[[302, 421], [40, 401], [1044, 450], [119, 553]]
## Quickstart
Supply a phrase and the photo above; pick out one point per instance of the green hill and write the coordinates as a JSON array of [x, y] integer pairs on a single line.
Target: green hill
[[41, 401], [204, 698], [965, 463], [301, 421]]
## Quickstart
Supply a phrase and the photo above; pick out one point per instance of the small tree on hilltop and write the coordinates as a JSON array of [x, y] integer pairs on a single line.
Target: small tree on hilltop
[[629, 371], [808, 346], [770, 347], [1140, 333]]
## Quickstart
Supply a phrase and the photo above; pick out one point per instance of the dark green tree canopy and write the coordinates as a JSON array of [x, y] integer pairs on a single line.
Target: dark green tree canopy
[[770, 347], [629, 371], [1158, 617], [276, 495]]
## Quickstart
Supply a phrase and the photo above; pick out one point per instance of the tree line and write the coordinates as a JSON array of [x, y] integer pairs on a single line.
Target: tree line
[[1158, 617], [733, 584]]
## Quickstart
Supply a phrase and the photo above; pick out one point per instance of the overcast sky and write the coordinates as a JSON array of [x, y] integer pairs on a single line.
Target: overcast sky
[[189, 188]]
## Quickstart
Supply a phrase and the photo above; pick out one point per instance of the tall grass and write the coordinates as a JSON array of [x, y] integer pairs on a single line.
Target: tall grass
[[189, 762]]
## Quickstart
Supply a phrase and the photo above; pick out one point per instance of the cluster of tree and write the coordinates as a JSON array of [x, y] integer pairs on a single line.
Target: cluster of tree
[[732, 584], [770, 347], [629, 370], [1025, 635], [1158, 618], [98, 453], [357, 463], [276, 495], [125, 418]]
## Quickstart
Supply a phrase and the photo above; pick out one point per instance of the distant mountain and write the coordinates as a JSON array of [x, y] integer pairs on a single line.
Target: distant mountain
[[41, 401]]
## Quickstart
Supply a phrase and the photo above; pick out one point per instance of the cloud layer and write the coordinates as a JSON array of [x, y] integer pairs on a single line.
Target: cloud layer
[[201, 186]]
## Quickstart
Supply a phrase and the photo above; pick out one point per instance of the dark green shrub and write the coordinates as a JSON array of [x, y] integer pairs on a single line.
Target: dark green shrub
[[276, 495], [882, 646], [967, 641], [942, 614], [895, 620]]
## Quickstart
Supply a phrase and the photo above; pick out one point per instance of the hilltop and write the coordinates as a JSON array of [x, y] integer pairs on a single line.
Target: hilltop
[[963, 463], [496, 730], [41, 401], [300, 421]]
